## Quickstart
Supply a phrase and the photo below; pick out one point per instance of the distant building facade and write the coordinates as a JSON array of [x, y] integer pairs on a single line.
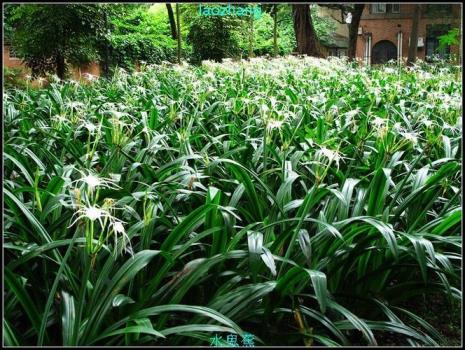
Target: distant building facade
[[384, 31], [338, 42]]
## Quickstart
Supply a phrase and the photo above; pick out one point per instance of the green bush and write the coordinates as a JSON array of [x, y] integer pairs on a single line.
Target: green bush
[[213, 38], [142, 35], [14, 77], [263, 37], [128, 49]]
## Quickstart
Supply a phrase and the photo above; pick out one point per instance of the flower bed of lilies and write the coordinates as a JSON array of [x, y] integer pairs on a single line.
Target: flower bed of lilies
[[298, 200]]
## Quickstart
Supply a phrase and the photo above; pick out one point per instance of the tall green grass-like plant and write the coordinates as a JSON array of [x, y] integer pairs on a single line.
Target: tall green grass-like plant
[[304, 201]]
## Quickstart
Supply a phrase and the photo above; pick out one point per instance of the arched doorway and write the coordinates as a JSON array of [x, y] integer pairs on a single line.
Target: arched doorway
[[383, 51]]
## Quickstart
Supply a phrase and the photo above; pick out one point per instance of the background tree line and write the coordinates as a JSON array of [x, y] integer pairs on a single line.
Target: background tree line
[[49, 38]]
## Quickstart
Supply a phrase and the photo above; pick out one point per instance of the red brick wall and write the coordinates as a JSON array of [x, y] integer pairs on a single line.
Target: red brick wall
[[10, 62], [76, 72], [386, 27], [92, 68]]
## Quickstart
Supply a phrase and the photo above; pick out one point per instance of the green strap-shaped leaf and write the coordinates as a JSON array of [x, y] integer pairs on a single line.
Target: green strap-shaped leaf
[[68, 319]]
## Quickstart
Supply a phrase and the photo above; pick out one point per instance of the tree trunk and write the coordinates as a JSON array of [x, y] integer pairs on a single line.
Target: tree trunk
[[275, 30], [106, 58], [251, 36], [178, 25], [307, 42], [353, 30], [172, 22], [61, 67], [413, 46]]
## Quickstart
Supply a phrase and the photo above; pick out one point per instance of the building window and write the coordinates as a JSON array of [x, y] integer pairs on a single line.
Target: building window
[[433, 32], [385, 8], [335, 52], [378, 8], [438, 9]]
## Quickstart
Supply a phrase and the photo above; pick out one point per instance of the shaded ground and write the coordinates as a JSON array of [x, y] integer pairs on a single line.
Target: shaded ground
[[436, 310]]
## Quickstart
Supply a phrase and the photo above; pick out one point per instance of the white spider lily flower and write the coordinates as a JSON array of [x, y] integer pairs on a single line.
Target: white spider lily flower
[[334, 109], [273, 101], [94, 213], [118, 227], [426, 122], [60, 118], [90, 77], [91, 213], [141, 89], [55, 78], [90, 127], [117, 114], [330, 154], [41, 81], [274, 124], [74, 104], [447, 126], [210, 75], [397, 126], [410, 136], [264, 108], [377, 93], [378, 122], [93, 181]]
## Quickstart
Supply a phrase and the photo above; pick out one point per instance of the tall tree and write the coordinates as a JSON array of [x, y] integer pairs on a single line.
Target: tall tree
[[307, 41], [251, 35], [282, 16], [355, 11], [413, 45], [178, 25], [353, 29], [50, 36], [275, 29], [172, 21]]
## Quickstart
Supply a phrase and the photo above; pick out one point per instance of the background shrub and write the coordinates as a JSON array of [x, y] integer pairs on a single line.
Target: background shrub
[[213, 38]]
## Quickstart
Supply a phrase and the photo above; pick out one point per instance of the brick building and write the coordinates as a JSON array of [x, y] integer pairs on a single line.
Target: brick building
[[384, 31]]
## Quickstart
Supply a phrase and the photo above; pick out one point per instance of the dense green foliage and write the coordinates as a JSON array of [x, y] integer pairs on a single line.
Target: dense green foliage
[[213, 38], [263, 34], [324, 26], [452, 37], [13, 77], [216, 38], [50, 37], [125, 35], [300, 200], [141, 35]]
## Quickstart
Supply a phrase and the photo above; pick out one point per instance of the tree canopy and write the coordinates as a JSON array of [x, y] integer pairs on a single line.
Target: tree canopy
[[49, 37]]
